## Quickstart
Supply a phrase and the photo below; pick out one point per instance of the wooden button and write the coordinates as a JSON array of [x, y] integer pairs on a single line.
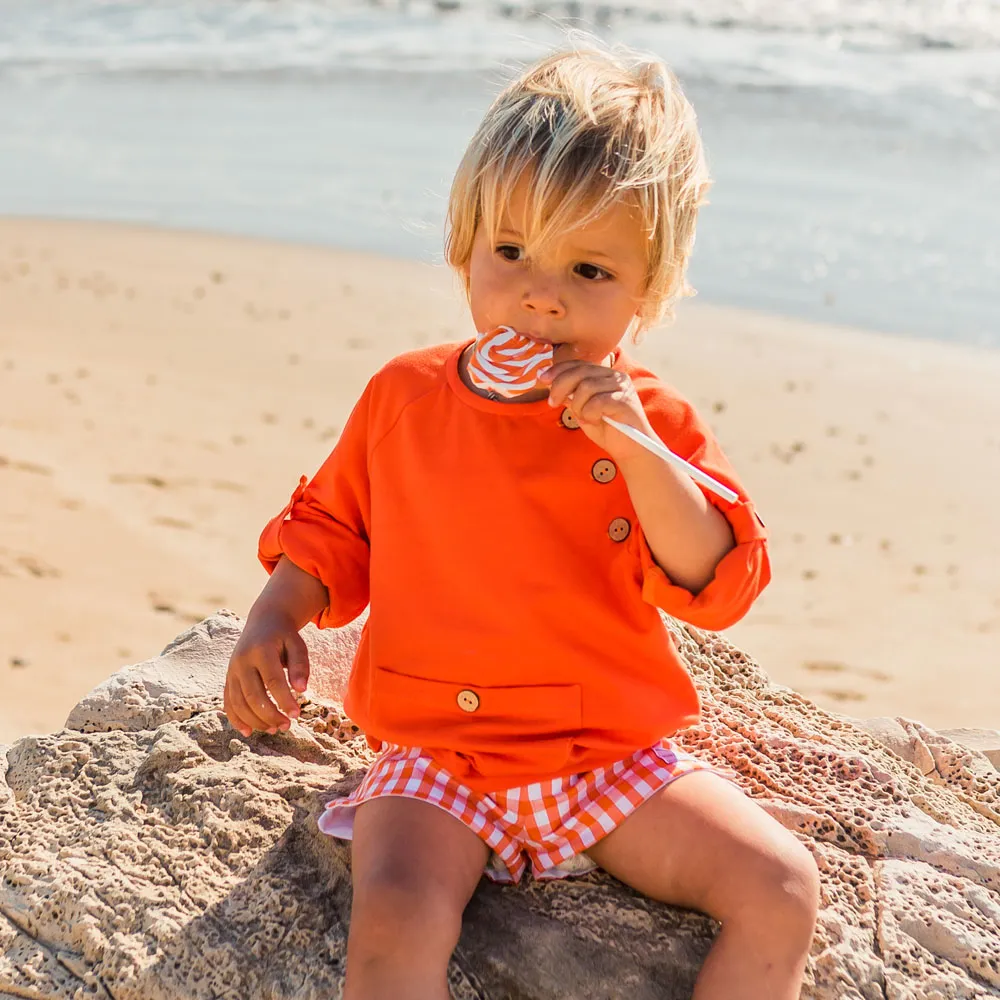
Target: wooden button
[[604, 470], [468, 701], [619, 529], [569, 421]]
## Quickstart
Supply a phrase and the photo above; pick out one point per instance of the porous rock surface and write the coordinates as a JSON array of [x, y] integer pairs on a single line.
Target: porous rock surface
[[149, 851]]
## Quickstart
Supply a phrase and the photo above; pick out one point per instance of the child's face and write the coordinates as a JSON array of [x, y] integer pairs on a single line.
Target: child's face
[[582, 290]]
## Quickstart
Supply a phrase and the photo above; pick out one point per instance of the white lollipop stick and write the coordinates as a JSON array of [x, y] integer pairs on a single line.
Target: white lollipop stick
[[668, 456]]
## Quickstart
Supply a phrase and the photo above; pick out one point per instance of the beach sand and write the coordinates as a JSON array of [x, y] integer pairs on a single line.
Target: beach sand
[[161, 392]]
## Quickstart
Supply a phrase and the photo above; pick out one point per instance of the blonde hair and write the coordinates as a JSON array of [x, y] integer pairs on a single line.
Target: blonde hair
[[590, 126]]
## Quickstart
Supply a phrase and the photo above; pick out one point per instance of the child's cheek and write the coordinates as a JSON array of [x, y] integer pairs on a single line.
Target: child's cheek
[[478, 303], [488, 294]]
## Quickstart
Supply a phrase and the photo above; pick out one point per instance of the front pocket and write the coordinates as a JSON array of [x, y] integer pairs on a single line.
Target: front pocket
[[518, 723]]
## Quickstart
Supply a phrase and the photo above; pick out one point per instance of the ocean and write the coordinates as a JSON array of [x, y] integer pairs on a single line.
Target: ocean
[[854, 144]]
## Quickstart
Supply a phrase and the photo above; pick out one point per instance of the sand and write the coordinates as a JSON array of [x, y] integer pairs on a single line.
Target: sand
[[161, 392]]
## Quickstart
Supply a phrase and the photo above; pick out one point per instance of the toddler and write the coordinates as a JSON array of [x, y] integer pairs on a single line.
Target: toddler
[[514, 674]]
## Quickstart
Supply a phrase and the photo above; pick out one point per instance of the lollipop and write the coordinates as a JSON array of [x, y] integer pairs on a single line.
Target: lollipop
[[508, 363]]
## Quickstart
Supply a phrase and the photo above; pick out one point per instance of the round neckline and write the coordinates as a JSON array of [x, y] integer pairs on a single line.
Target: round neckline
[[497, 406]]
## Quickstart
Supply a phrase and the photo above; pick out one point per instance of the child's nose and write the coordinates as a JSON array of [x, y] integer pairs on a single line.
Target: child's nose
[[543, 299]]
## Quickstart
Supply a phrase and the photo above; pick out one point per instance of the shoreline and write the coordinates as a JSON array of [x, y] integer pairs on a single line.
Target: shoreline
[[819, 206], [145, 440]]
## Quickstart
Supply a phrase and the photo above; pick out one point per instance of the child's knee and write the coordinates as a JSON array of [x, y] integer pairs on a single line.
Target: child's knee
[[791, 890], [398, 910], [804, 884]]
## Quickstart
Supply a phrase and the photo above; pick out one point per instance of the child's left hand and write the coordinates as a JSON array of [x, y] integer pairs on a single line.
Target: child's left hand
[[590, 392]]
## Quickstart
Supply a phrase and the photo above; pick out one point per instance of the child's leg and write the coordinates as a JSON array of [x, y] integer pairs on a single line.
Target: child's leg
[[700, 843], [414, 868]]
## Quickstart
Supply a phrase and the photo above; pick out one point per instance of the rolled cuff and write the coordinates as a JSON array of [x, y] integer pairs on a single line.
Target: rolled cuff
[[740, 576], [326, 549]]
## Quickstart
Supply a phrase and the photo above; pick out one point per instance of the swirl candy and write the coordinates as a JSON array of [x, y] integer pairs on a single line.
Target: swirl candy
[[507, 363]]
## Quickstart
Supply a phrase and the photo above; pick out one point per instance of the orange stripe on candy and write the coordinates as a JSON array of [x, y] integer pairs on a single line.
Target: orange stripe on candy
[[507, 362]]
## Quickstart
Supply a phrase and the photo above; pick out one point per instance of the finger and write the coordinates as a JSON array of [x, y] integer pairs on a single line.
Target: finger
[[557, 368], [235, 706], [566, 379], [610, 403], [297, 663], [258, 701], [228, 709], [241, 715], [590, 386], [567, 355], [276, 685], [561, 368]]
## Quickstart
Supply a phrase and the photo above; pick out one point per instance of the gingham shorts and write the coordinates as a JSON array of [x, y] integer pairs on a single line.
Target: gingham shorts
[[551, 822]]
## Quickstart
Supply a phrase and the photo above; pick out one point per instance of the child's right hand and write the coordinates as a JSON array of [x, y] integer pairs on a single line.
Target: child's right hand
[[269, 645]]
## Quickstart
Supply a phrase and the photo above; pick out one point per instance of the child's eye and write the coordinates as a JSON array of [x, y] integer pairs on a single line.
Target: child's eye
[[592, 272], [509, 251]]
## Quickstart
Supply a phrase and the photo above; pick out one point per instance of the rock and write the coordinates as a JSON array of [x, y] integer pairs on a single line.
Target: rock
[[984, 741], [916, 743], [901, 738], [149, 852], [189, 675]]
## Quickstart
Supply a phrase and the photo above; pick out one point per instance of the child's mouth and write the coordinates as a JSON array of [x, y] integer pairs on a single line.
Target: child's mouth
[[554, 344]]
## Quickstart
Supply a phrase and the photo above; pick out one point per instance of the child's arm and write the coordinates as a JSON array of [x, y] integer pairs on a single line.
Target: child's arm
[[687, 535], [316, 552], [269, 645], [290, 594], [702, 559]]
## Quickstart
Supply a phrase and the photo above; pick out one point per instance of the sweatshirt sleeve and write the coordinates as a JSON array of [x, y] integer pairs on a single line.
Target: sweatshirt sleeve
[[324, 527], [745, 570]]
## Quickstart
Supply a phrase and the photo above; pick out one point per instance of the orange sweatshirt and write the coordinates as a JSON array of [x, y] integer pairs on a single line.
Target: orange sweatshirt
[[513, 632]]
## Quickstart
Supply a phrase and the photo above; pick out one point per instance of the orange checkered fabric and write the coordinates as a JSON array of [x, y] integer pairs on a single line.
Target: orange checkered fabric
[[548, 824]]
